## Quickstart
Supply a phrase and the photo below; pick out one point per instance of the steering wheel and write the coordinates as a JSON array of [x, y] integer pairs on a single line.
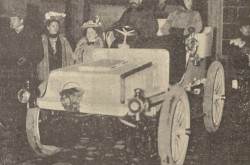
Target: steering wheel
[[119, 33]]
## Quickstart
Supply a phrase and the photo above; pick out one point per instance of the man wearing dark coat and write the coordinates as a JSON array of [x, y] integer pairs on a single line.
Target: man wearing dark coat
[[24, 52], [23, 44], [140, 18]]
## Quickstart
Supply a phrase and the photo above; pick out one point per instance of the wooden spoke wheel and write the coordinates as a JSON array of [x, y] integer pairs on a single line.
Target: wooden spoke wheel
[[33, 120], [214, 96], [174, 127]]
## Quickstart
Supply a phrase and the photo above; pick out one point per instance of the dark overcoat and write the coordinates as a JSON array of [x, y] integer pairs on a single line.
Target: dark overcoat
[[26, 44]]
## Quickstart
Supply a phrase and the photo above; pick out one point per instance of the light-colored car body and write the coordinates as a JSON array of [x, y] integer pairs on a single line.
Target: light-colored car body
[[108, 82]]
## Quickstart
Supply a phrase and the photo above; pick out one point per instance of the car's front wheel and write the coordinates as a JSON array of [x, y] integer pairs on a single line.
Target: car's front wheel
[[33, 120], [174, 127]]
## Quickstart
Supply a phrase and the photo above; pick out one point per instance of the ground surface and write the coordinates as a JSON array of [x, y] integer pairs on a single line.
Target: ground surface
[[87, 145]]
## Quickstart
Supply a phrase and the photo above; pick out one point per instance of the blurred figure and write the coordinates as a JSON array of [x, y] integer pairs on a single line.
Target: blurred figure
[[89, 42], [57, 51], [240, 64], [240, 57]]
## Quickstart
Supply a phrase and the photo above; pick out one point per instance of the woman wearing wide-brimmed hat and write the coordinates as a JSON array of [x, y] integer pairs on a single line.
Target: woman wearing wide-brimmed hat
[[57, 50], [90, 41]]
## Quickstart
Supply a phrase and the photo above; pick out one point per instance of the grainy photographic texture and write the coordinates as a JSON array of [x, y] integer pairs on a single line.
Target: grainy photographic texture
[[124, 82]]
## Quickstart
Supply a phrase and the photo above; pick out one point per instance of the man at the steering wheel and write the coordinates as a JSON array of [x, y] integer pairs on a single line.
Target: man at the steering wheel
[[137, 17]]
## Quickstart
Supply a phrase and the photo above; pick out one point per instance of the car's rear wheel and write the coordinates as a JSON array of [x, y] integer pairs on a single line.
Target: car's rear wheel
[[33, 120], [174, 127], [214, 96]]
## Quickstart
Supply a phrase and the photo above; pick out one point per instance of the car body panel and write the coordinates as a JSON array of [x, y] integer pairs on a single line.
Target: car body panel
[[109, 80]]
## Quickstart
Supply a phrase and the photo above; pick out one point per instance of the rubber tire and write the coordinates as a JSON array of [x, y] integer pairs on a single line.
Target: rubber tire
[[32, 131], [165, 125], [208, 96]]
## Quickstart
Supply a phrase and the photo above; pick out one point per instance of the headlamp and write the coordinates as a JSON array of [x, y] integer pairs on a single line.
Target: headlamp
[[23, 96], [135, 105]]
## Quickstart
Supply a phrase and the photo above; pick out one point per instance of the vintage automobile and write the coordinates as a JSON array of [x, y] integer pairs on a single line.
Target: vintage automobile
[[133, 86]]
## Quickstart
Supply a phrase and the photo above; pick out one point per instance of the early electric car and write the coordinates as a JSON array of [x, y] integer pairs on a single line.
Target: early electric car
[[133, 86]]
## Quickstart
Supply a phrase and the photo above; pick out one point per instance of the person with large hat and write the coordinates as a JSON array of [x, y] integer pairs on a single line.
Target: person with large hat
[[90, 41], [57, 50]]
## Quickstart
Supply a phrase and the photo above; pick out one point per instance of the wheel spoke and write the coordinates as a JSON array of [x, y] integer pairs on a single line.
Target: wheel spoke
[[176, 116], [218, 82], [175, 153], [177, 148], [218, 86], [181, 122], [216, 113], [180, 114], [181, 117]]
